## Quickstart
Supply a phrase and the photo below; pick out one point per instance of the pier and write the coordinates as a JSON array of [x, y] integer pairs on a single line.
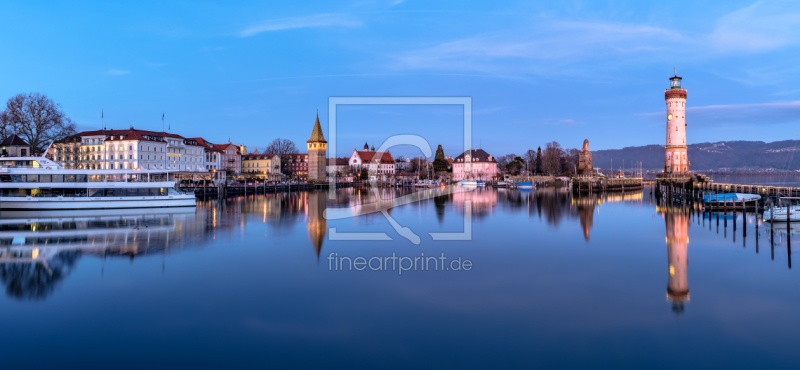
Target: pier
[[600, 184]]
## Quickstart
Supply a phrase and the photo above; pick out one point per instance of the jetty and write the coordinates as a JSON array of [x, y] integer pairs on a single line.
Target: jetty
[[598, 184]]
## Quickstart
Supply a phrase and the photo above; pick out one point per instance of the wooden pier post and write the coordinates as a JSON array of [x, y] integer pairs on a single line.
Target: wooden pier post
[[744, 220], [726, 212]]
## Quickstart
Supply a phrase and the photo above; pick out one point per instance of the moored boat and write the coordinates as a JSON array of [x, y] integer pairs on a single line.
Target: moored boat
[[730, 200], [525, 185], [778, 214], [38, 183]]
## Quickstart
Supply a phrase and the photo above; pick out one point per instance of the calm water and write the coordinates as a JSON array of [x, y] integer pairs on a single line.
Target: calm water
[[780, 179], [555, 281]]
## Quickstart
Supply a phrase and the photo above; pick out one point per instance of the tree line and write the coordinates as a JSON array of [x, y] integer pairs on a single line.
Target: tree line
[[553, 160]]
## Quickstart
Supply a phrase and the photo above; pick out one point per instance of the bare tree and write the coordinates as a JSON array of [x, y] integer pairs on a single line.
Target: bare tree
[[551, 158], [503, 161], [530, 160], [36, 119], [572, 158], [281, 147]]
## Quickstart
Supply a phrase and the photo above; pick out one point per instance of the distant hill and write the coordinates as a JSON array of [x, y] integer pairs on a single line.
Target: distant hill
[[754, 155]]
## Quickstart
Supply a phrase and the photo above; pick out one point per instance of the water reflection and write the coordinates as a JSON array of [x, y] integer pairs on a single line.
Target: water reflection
[[317, 225], [677, 223], [39, 250]]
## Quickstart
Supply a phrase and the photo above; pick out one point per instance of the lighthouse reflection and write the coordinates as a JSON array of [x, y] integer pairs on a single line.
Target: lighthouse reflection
[[677, 225]]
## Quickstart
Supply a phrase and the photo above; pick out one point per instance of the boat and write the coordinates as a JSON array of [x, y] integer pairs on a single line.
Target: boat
[[778, 214], [729, 200], [481, 182], [500, 184], [468, 183], [38, 183], [525, 185]]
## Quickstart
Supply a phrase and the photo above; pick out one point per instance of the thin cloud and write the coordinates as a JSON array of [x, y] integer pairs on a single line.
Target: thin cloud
[[117, 72], [311, 21], [548, 46], [725, 114], [758, 27]]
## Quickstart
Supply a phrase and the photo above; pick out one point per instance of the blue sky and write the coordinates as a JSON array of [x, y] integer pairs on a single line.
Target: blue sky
[[537, 71]]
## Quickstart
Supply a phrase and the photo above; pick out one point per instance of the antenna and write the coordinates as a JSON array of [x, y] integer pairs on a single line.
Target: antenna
[[675, 70]]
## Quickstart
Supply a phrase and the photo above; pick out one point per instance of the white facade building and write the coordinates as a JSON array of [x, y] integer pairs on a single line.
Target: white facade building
[[383, 167], [130, 149]]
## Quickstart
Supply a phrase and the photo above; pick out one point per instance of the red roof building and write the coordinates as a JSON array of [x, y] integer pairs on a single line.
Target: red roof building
[[297, 164], [381, 167]]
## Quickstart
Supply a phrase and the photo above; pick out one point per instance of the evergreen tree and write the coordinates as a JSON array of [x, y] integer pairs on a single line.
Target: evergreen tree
[[538, 167], [439, 162]]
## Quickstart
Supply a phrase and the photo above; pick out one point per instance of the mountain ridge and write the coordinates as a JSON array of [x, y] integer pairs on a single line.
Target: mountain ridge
[[740, 154]]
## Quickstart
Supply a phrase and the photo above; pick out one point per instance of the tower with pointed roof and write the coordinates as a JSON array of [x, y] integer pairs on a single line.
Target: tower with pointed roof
[[317, 147]]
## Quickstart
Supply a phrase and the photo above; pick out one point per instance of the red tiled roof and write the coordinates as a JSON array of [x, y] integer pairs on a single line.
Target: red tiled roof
[[130, 132], [250, 157], [222, 147], [14, 140], [205, 144], [367, 157]]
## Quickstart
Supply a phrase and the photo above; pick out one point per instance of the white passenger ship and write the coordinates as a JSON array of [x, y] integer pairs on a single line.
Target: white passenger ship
[[37, 183]]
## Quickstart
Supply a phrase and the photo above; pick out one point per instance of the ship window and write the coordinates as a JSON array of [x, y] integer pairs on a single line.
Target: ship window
[[5, 178], [69, 178], [58, 178], [31, 178], [45, 178], [80, 178], [98, 192]]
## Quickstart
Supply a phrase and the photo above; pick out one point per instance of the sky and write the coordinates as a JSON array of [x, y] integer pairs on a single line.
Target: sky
[[537, 72]]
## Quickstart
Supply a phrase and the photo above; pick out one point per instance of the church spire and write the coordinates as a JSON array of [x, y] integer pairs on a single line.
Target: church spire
[[316, 134]]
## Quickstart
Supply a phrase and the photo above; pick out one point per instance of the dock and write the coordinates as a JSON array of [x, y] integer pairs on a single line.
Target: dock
[[601, 184]]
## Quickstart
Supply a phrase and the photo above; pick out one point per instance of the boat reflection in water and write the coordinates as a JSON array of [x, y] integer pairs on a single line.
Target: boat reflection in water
[[677, 224], [38, 249]]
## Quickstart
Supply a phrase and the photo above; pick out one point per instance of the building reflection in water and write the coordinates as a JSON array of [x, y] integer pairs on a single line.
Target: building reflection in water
[[587, 205], [39, 250], [317, 224], [677, 223], [482, 201]]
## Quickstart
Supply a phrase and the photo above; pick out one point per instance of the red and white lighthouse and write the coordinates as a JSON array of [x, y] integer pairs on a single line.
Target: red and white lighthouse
[[676, 161]]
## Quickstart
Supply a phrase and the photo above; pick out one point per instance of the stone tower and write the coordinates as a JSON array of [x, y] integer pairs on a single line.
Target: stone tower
[[317, 147], [675, 161]]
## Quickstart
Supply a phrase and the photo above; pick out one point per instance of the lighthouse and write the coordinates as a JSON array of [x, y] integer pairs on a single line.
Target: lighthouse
[[675, 161]]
